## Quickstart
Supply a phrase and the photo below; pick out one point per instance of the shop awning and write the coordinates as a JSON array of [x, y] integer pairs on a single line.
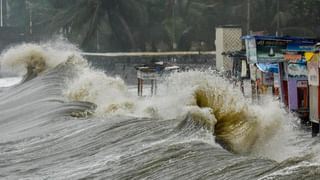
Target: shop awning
[[268, 67]]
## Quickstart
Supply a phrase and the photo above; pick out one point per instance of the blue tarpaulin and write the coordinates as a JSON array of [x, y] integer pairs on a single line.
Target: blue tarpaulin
[[303, 61], [268, 67]]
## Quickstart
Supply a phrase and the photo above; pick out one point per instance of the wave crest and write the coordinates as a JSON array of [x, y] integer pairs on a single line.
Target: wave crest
[[238, 125], [32, 59], [108, 93], [241, 127]]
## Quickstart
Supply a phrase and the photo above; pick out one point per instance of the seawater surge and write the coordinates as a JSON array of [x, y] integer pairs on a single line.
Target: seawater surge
[[67, 120]]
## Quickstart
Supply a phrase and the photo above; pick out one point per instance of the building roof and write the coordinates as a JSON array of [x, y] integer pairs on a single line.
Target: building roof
[[284, 38]]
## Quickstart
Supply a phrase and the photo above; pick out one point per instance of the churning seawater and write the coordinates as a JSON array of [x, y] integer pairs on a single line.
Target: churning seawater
[[66, 120]]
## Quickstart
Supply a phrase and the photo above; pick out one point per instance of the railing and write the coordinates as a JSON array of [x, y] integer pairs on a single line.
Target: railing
[[149, 53]]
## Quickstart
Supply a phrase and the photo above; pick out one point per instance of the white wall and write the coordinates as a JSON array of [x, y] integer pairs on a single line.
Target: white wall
[[227, 39]]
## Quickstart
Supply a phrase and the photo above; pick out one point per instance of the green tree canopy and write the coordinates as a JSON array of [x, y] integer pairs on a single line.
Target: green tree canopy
[[153, 25]]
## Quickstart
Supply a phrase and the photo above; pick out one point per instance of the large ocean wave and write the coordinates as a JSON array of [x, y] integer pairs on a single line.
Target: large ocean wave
[[67, 120]]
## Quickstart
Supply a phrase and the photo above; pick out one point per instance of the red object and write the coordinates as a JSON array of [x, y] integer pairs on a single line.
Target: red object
[[276, 91], [285, 96], [302, 97]]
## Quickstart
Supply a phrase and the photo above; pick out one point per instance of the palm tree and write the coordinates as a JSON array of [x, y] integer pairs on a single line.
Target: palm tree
[[131, 25], [84, 20]]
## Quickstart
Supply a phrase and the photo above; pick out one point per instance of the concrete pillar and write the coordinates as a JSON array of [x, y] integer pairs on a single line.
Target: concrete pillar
[[315, 129], [140, 86]]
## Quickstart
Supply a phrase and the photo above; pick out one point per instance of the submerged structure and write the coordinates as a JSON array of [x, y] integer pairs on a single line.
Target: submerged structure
[[239, 66], [313, 82], [153, 72], [295, 67]]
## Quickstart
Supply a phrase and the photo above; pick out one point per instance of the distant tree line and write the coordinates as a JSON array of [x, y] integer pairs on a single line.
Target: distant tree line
[[159, 25]]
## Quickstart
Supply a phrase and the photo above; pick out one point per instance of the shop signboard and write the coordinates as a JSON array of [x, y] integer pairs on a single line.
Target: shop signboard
[[302, 84], [268, 79], [265, 50], [276, 82], [313, 70], [243, 68], [251, 50], [293, 57], [296, 70], [270, 50], [148, 75], [300, 46], [262, 50]]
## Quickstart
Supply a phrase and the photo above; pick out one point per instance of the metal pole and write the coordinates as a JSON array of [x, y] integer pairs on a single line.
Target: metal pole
[[248, 17], [174, 45], [155, 87], [139, 87], [30, 17], [1, 23], [152, 86], [278, 18]]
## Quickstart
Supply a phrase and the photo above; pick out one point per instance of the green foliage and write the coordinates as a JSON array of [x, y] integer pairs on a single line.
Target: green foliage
[[156, 25]]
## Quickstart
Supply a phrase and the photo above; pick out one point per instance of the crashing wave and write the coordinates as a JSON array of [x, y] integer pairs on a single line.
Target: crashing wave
[[109, 94], [238, 125], [212, 102], [208, 98], [29, 60]]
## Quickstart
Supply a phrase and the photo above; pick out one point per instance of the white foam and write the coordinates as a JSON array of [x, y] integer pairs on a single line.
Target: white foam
[[176, 97], [109, 94], [38, 57], [9, 81]]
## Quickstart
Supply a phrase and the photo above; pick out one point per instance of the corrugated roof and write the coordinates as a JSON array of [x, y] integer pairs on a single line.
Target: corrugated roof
[[278, 38]]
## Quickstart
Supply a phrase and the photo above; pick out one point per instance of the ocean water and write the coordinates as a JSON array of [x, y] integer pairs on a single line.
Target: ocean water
[[9, 81], [65, 120]]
